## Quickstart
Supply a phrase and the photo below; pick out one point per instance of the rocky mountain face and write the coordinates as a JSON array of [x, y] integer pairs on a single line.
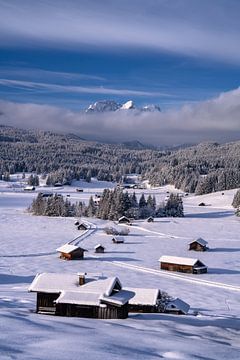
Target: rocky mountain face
[[111, 105]]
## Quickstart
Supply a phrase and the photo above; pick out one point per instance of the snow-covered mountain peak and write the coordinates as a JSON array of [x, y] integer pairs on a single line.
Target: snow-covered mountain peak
[[102, 106], [151, 108], [128, 105]]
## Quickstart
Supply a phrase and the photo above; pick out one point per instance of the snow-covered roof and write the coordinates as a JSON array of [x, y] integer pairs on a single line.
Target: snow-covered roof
[[68, 248], [98, 245], [178, 260], [118, 238], [143, 296], [102, 286], [78, 297], [120, 298], [54, 282], [200, 241], [123, 218], [178, 304], [91, 293]]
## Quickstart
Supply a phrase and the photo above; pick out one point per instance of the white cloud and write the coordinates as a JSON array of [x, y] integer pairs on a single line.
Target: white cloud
[[30, 85], [213, 120], [197, 28]]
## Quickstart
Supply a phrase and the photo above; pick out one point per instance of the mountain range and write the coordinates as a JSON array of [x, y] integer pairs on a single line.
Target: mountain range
[[111, 105]]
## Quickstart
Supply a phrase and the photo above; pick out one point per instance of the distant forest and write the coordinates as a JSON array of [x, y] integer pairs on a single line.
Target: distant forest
[[203, 168]]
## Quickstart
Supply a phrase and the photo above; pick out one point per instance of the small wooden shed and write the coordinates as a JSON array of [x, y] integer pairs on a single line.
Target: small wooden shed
[[118, 239], [124, 220], [150, 219], [198, 245], [82, 226], [99, 248], [177, 306], [182, 264], [71, 252]]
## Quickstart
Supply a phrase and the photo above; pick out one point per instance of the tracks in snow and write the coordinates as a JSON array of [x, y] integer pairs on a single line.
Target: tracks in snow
[[176, 276]]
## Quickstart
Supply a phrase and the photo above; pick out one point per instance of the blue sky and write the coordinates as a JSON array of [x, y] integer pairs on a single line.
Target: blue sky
[[69, 53]]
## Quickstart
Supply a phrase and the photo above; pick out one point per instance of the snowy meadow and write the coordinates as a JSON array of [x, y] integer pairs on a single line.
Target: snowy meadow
[[210, 331]]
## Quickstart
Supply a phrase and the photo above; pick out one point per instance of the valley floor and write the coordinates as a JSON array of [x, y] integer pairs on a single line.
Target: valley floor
[[28, 247]]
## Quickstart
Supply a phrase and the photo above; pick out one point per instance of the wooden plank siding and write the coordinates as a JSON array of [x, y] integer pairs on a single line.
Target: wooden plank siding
[[46, 303], [177, 267], [88, 311]]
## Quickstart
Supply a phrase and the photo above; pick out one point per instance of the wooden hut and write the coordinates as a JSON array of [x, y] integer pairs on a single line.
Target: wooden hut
[[150, 219], [181, 264], [144, 300], [71, 252], [198, 245], [99, 248], [177, 306], [82, 226], [61, 294], [124, 220], [118, 240]]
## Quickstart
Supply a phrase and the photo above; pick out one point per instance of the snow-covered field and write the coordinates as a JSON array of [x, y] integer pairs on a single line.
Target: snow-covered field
[[28, 246]]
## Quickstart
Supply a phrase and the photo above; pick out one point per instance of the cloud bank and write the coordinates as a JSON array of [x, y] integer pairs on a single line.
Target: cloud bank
[[213, 120], [196, 28]]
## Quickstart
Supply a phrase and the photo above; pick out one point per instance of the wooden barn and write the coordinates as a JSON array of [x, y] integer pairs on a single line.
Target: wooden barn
[[82, 226], [150, 219], [124, 220], [198, 245], [62, 294], [99, 248], [71, 252], [144, 300], [181, 264], [118, 239], [177, 306]]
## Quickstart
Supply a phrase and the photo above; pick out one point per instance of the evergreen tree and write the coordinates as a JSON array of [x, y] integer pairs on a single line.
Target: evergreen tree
[[142, 201], [236, 199], [91, 209]]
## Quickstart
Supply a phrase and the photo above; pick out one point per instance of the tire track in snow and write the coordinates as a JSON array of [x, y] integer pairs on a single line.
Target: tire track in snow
[[158, 233], [176, 276]]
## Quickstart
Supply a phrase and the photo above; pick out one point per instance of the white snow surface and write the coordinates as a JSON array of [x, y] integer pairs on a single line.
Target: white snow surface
[[28, 246]]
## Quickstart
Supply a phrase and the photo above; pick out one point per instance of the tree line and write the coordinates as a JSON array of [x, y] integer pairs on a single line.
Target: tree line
[[112, 205], [204, 168]]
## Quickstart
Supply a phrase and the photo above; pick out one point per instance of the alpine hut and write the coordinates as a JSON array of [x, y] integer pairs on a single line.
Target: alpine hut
[[99, 248], [82, 226], [118, 240], [150, 219], [63, 295], [124, 220], [198, 245], [182, 264], [71, 252]]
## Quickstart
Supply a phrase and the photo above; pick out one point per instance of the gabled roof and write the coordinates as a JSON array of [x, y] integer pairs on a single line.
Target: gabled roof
[[120, 298], [124, 218], [199, 241], [83, 224], [143, 296], [69, 248], [118, 238], [102, 286], [99, 245], [178, 304], [178, 260]]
